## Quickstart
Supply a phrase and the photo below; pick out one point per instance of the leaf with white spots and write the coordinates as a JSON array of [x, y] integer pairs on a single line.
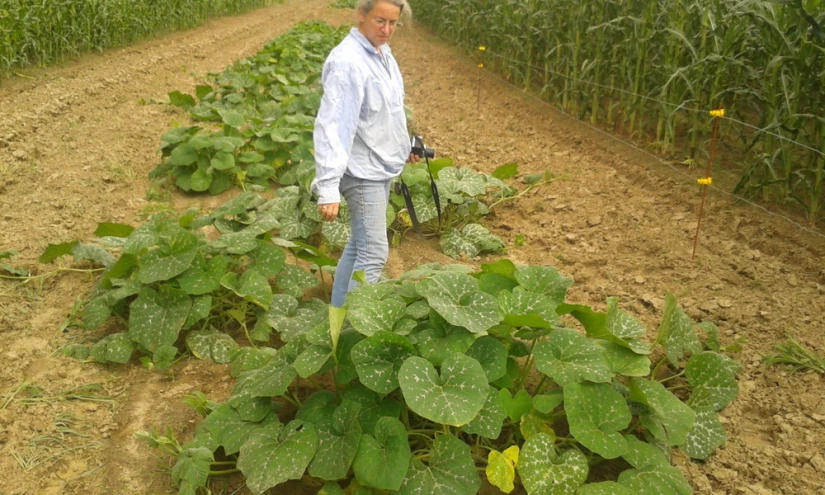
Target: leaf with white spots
[[295, 281], [229, 429], [706, 436], [569, 357], [713, 378], [450, 471], [374, 307], [456, 297], [311, 360], [176, 248], [336, 233], [435, 345], [519, 303], [193, 466], [492, 354], [470, 241], [490, 419], [383, 458], [276, 454], [269, 380], [676, 332], [454, 397], [210, 344], [337, 446], [623, 329], [201, 307], [543, 280], [251, 286], [543, 472], [204, 276], [155, 318], [115, 348], [623, 361], [268, 259], [596, 413], [291, 318], [668, 418], [378, 358]]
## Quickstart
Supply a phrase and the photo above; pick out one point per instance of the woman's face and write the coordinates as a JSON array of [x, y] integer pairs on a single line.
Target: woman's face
[[379, 23]]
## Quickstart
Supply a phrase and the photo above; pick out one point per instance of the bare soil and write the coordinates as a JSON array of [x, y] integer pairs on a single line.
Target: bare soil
[[77, 142]]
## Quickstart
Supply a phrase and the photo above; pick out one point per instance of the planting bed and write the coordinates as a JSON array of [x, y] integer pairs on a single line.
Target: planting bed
[[78, 141]]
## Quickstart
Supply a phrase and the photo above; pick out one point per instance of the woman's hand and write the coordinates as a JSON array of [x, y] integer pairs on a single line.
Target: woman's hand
[[328, 211], [414, 158]]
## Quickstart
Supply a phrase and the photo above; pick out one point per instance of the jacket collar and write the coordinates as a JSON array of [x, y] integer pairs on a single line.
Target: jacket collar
[[355, 33]]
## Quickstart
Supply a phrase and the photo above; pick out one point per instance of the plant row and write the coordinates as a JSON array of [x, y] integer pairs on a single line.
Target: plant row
[[258, 120], [41, 32], [637, 66], [443, 373]]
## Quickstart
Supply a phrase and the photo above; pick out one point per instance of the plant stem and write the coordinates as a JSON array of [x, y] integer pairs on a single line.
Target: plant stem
[[225, 471], [668, 378]]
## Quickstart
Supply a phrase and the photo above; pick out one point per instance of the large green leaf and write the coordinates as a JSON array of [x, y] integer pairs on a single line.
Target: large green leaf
[[453, 398], [470, 241], [373, 308], [516, 405], [115, 348], [371, 406], [676, 332], [668, 418], [211, 344], [155, 318], [277, 453], [706, 436], [268, 259], [292, 319], [193, 466], [456, 297], [543, 280], [490, 419], [251, 286], [543, 472], [378, 358], [520, 302], [596, 413], [229, 429], [713, 379], [176, 249], [623, 361], [492, 354], [295, 281], [569, 357], [622, 329], [465, 180], [435, 345], [450, 471], [271, 379], [204, 276], [383, 457], [337, 447]]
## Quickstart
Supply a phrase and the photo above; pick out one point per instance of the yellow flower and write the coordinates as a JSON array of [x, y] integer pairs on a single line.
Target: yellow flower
[[482, 48]]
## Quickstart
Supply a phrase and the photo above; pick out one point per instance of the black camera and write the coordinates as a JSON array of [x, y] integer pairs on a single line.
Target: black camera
[[419, 149]]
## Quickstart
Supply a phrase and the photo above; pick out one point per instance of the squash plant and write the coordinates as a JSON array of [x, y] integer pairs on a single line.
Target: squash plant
[[442, 373]]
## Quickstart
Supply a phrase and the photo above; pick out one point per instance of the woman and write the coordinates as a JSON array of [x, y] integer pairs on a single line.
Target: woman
[[361, 139]]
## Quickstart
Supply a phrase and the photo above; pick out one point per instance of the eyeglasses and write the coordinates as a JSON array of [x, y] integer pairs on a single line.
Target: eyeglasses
[[381, 22]]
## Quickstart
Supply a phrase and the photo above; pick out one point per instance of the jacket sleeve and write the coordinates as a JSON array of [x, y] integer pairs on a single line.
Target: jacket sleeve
[[335, 128]]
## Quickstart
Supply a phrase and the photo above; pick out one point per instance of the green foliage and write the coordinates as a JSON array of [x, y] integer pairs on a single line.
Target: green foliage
[[416, 407], [680, 65], [171, 281], [41, 33]]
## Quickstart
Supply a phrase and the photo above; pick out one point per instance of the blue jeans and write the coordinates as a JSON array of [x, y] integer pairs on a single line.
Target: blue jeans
[[367, 248]]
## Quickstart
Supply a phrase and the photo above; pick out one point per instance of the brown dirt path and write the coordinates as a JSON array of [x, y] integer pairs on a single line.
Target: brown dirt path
[[76, 145]]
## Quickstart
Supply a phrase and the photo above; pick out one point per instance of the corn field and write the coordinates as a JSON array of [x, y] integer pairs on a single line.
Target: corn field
[[40, 32], [653, 69]]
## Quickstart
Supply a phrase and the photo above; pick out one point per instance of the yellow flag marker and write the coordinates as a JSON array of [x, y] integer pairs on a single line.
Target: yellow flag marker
[[717, 113]]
